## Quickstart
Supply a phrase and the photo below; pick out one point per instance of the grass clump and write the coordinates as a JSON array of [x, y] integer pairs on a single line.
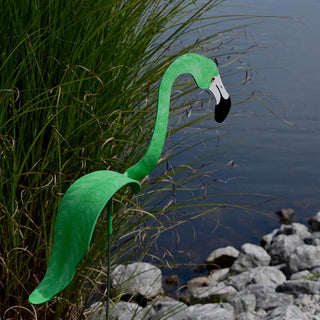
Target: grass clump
[[78, 94]]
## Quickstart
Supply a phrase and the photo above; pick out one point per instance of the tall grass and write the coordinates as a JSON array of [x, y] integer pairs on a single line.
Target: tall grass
[[78, 83]]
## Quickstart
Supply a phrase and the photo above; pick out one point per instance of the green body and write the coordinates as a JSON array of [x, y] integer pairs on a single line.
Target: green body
[[84, 201], [202, 69]]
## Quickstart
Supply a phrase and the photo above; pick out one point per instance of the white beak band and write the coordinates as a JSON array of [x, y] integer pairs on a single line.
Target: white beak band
[[218, 89], [223, 101]]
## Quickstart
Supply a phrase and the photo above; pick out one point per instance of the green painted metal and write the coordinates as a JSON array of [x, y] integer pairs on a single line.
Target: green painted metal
[[203, 70], [77, 215], [84, 201]]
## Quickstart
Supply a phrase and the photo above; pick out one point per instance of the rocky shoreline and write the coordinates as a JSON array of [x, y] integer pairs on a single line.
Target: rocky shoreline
[[279, 280]]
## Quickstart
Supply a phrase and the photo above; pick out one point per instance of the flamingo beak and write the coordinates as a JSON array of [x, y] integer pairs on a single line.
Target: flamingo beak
[[223, 101]]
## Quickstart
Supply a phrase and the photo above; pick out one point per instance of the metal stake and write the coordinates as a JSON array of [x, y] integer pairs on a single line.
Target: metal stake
[[109, 217]]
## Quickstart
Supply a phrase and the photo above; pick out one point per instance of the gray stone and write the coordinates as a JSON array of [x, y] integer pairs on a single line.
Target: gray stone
[[218, 275], [198, 282], [120, 311], [97, 311], [205, 281], [246, 316], [212, 293], [222, 257], [266, 276], [282, 267], [286, 215], [138, 278], [243, 303], [250, 256], [167, 308], [301, 275], [303, 300], [304, 257], [126, 311], [297, 287], [170, 309], [282, 247], [315, 222], [210, 311], [316, 269], [315, 235], [290, 312], [316, 273], [295, 228], [171, 280], [260, 313], [316, 242], [309, 304], [314, 238], [256, 291], [266, 298], [267, 239]]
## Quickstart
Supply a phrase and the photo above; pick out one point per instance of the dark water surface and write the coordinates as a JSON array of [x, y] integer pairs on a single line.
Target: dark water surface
[[278, 145], [280, 154]]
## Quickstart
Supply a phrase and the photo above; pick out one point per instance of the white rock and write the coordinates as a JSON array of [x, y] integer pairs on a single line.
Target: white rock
[[167, 308], [286, 313], [120, 311], [309, 304], [266, 298], [198, 282], [139, 278], [243, 303], [223, 257], [315, 222], [267, 239], [282, 247], [125, 311], [295, 228], [250, 256], [297, 287], [246, 316], [205, 281], [211, 293], [210, 311], [218, 275], [301, 275], [97, 311], [266, 276], [303, 258]]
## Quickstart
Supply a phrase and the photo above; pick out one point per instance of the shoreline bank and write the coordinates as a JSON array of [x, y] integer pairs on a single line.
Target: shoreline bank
[[278, 280]]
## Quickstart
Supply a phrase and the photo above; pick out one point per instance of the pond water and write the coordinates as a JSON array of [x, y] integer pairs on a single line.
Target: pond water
[[276, 146]]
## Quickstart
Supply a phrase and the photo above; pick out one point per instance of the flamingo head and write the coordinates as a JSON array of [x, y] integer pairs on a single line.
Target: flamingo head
[[206, 74]]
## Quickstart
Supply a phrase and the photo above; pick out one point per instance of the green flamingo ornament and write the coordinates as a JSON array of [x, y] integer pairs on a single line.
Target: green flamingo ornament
[[86, 198]]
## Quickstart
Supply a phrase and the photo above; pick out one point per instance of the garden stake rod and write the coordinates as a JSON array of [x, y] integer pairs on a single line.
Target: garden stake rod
[[109, 218], [86, 198]]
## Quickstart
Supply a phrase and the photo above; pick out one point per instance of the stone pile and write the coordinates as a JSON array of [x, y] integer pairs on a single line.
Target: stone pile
[[279, 280]]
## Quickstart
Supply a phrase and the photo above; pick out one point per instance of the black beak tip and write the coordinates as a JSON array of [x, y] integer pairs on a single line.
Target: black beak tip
[[222, 110]]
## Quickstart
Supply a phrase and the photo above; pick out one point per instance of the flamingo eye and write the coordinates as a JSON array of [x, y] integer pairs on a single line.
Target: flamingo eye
[[213, 78]]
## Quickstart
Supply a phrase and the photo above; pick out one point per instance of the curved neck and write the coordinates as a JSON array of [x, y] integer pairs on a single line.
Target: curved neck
[[152, 156]]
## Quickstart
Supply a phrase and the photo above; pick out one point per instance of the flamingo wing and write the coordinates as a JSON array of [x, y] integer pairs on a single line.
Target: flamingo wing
[[77, 216]]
